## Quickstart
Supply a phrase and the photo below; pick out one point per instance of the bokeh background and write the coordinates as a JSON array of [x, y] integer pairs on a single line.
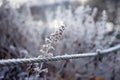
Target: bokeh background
[[89, 25]]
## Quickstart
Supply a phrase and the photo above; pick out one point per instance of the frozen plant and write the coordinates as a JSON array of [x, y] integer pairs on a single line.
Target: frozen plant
[[86, 31], [37, 68], [51, 42]]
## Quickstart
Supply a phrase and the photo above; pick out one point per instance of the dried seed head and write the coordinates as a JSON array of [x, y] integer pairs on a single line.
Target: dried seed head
[[54, 38]]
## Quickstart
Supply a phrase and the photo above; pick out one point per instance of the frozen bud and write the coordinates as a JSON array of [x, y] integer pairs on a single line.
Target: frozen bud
[[51, 48], [45, 46], [56, 33], [62, 27], [53, 34], [41, 51], [57, 37], [47, 40]]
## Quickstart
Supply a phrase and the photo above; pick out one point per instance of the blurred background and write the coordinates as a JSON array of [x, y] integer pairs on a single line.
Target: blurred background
[[89, 25]]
